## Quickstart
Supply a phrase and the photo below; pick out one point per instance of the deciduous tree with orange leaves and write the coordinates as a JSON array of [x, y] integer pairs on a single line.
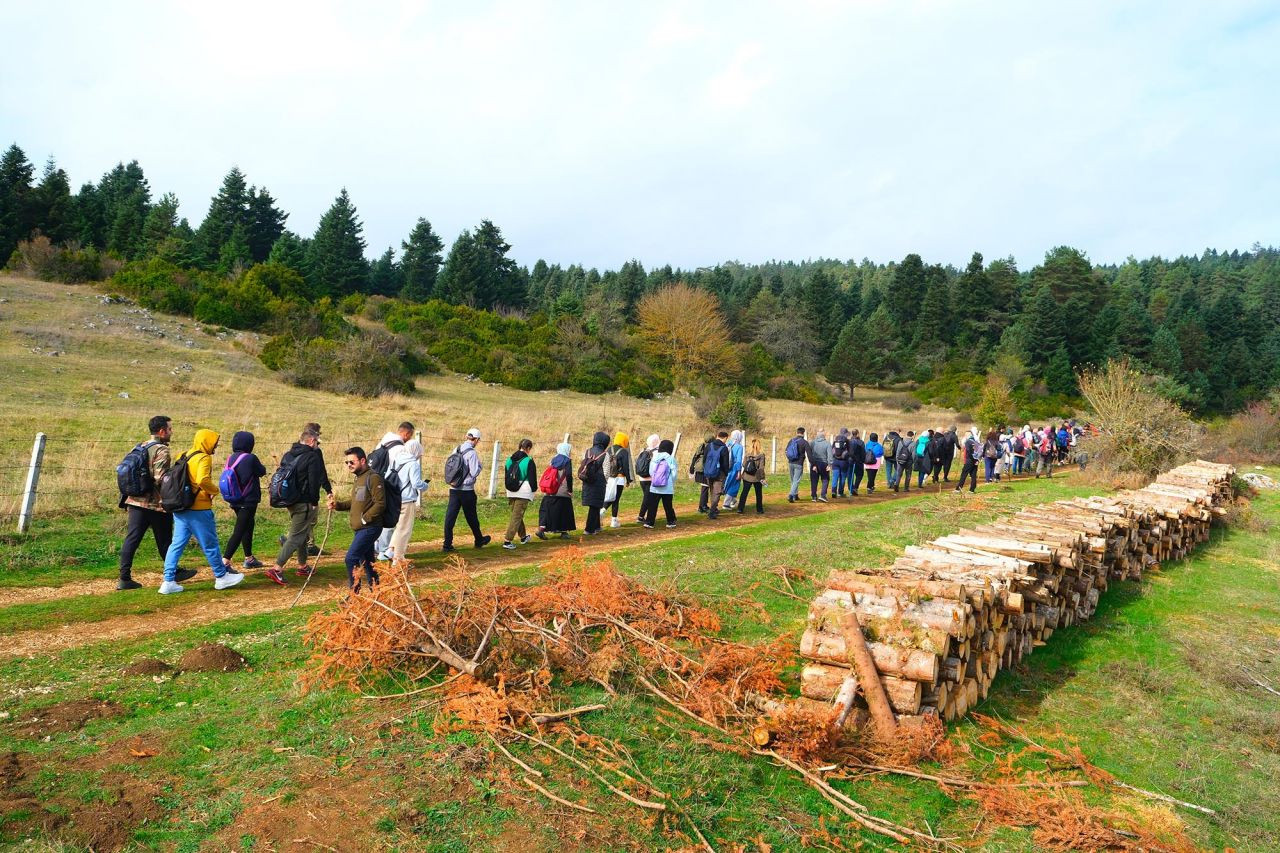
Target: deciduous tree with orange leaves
[[683, 326]]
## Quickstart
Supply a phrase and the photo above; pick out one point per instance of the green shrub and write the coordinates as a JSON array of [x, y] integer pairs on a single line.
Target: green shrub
[[39, 258], [161, 286]]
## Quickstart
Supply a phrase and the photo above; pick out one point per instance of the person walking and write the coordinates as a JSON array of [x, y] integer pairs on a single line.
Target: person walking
[[890, 445], [1064, 441], [871, 461], [937, 440], [197, 520], [644, 467], [304, 466], [950, 443], [696, 464], [797, 452], [752, 476], [412, 484], [970, 451], [618, 469], [662, 486], [365, 511], [555, 512], [904, 454], [141, 472], [591, 475], [990, 453], [733, 478], [390, 455], [1048, 448], [462, 468], [715, 465], [819, 467], [520, 476], [840, 463], [922, 457], [857, 454], [313, 549], [241, 487]]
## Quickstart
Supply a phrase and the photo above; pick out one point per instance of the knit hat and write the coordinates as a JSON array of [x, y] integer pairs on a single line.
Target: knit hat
[[622, 440]]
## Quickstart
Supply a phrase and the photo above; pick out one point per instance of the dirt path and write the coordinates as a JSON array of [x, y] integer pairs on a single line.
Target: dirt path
[[201, 605]]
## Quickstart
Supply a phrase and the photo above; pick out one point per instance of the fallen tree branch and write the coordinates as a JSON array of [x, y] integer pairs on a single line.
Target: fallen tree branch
[[1164, 798], [550, 796], [644, 804], [964, 783], [542, 718], [517, 762]]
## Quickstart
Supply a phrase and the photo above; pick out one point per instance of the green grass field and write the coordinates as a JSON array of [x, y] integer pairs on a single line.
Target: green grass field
[[1156, 689]]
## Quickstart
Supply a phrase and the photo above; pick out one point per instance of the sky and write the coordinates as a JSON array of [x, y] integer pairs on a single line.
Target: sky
[[683, 133]]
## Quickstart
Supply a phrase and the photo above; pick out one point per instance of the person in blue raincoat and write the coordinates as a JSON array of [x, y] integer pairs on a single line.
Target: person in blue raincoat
[[734, 479]]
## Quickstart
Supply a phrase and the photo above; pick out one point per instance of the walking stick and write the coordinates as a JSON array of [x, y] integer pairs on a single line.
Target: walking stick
[[328, 524]]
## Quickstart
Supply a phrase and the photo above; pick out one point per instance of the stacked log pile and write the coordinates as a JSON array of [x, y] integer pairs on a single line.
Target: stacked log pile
[[946, 616]]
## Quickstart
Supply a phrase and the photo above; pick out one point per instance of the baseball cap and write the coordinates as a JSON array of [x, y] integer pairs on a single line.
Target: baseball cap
[[473, 433]]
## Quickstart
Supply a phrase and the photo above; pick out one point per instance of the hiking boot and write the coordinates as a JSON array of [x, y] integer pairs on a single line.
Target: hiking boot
[[484, 540], [509, 546], [275, 576], [305, 571], [127, 583], [715, 513], [252, 563], [228, 580], [184, 575], [170, 587]]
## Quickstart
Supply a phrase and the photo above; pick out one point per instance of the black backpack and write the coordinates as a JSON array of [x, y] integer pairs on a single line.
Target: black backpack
[[752, 466], [394, 500], [285, 486], [133, 474], [380, 458], [455, 469], [643, 461], [176, 491], [840, 449], [591, 468], [516, 474]]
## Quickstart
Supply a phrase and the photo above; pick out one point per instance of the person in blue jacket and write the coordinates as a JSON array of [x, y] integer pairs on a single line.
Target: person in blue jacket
[[875, 450], [734, 479]]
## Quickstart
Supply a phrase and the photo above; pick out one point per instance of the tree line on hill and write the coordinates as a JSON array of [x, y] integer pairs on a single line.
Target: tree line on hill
[[1206, 327]]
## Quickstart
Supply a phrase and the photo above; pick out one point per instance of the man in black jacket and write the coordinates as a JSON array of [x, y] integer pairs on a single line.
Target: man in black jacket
[[857, 461], [905, 454], [937, 441], [949, 445], [714, 487], [309, 468]]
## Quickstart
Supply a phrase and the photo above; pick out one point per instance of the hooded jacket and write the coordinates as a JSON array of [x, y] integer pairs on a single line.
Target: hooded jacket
[[249, 470], [593, 492], [820, 452], [200, 468]]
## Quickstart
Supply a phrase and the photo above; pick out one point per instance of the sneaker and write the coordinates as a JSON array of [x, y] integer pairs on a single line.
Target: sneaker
[[822, 500], [639, 519], [281, 539], [615, 523], [564, 535], [715, 513], [252, 563], [228, 580], [527, 539], [170, 587], [382, 557], [313, 550], [275, 576], [184, 575], [305, 571], [509, 546], [671, 527], [648, 526], [484, 541], [128, 583], [587, 533], [448, 549], [541, 534]]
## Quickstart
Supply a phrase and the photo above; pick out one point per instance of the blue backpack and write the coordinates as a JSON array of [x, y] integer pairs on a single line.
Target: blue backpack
[[793, 451], [711, 462], [229, 483]]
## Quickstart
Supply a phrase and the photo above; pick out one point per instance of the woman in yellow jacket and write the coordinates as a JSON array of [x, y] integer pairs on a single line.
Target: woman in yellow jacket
[[198, 519]]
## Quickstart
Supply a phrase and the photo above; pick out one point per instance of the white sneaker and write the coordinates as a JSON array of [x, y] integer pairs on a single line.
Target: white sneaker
[[615, 523], [170, 587], [228, 580], [383, 557]]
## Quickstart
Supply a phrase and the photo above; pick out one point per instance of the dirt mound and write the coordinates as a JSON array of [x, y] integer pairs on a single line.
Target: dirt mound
[[212, 657], [147, 666], [110, 826], [66, 717]]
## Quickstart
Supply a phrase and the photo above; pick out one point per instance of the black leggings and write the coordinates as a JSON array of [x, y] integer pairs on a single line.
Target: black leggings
[[871, 479], [745, 495], [613, 507], [649, 513], [242, 532], [644, 498]]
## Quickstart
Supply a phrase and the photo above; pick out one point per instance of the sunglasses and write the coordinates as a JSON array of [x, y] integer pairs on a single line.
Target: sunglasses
[[350, 463]]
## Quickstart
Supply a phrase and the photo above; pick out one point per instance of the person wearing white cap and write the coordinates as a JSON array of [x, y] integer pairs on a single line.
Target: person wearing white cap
[[971, 452], [461, 470]]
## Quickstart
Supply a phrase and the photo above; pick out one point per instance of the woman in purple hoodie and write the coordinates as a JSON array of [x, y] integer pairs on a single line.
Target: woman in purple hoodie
[[242, 490]]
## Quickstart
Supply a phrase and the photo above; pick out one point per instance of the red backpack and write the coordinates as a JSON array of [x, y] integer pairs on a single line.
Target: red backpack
[[549, 482]]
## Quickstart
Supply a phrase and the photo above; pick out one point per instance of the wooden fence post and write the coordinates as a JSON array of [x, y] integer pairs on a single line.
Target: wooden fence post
[[773, 457], [675, 448], [33, 480], [493, 469]]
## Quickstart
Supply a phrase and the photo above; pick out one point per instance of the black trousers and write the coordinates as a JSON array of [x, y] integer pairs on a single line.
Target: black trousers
[[649, 512], [745, 494], [464, 500], [140, 521], [593, 519], [946, 470], [871, 479], [613, 507], [242, 533], [969, 470], [822, 475], [855, 479], [644, 498]]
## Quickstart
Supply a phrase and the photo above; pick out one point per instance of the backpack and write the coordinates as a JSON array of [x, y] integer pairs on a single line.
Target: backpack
[[661, 474], [711, 462], [285, 487], [752, 466], [642, 462], [611, 462], [975, 450], [516, 474], [229, 483], [549, 482], [870, 458], [794, 453], [989, 450], [394, 498], [840, 449], [176, 492], [133, 474], [455, 469], [699, 457], [380, 459], [1019, 446], [589, 469]]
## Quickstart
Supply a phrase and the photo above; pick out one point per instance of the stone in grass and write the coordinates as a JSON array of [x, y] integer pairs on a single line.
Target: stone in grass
[[212, 657], [147, 666]]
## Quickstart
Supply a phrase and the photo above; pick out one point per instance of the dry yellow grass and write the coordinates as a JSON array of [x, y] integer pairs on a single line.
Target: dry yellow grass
[[217, 382]]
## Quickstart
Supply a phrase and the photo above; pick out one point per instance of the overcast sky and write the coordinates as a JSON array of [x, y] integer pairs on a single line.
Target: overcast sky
[[683, 133]]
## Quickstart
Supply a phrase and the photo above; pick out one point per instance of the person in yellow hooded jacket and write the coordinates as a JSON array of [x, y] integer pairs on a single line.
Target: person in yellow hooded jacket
[[198, 520]]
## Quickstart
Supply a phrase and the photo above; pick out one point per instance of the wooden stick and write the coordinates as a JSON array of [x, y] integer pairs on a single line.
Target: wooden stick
[[327, 524], [545, 717], [525, 767], [1164, 798], [965, 783], [644, 804], [550, 796], [868, 677]]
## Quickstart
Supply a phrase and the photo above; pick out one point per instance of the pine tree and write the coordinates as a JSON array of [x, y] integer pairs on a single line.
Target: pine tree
[[905, 294], [420, 262], [264, 223], [844, 365], [160, 223], [505, 283], [977, 306], [234, 256], [291, 252], [227, 209], [1045, 326], [15, 202], [631, 281], [1166, 355], [337, 251], [932, 325], [52, 206], [880, 350], [460, 278], [821, 299], [386, 276], [1058, 376]]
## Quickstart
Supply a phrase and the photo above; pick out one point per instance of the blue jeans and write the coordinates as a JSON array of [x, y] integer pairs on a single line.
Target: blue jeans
[[990, 468], [839, 478], [796, 470], [200, 524], [890, 471], [361, 554]]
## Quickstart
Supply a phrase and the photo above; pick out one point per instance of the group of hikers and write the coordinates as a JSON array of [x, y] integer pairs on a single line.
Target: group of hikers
[[173, 497]]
